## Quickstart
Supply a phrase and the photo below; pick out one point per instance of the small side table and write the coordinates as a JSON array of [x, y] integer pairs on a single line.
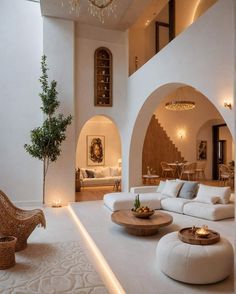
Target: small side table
[[150, 179], [117, 184]]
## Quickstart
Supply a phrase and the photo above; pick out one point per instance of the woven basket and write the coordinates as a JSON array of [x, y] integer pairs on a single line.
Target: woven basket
[[7, 252]]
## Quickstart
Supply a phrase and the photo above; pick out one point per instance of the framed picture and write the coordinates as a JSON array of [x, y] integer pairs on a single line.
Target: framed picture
[[95, 150], [201, 150]]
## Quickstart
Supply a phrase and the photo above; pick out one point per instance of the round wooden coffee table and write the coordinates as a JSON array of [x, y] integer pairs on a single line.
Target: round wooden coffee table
[[139, 226]]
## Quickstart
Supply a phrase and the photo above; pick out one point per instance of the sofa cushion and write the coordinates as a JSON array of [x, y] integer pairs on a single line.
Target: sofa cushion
[[83, 173], [174, 204], [125, 200], [152, 195], [161, 186], [171, 188], [93, 182], [114, 171], [106, 171], [90, 173], [144, 189], [209, 211], [208, 194], [188, 190], [98, 174]]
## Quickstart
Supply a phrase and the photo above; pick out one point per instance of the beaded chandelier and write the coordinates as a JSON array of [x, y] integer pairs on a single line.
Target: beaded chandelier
[[98, 8]]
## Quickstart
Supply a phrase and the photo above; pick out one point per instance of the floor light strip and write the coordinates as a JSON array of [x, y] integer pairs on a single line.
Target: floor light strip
[[108, 276]]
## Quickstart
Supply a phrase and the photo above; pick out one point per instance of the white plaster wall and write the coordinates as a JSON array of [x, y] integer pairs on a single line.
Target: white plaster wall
[[193, 58], [87, 40], [102, 127], [20, 56], [58, 40]]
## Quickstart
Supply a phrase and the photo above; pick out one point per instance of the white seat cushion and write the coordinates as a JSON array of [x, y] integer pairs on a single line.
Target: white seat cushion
[[125, 200], [174, 204], [209, 211]]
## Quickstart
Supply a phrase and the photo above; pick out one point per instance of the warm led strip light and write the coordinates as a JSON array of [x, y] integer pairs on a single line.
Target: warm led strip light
[[108, 276]]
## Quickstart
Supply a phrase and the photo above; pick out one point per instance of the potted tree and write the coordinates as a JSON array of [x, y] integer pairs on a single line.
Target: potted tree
[[46, 140]]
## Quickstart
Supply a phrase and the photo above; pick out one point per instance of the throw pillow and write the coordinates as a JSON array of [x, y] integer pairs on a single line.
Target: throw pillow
[[106, 171], [114, 171], [161, 186], [98, 174], [171, 188], [83, 173], [188, 190], [90, 173], [207, 193]]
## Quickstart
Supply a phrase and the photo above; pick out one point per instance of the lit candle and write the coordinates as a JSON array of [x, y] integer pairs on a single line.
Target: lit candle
[[56, 203], [203, 231]]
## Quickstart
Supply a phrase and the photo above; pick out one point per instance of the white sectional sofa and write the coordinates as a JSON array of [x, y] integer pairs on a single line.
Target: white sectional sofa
[[189, 198], [99, 176]]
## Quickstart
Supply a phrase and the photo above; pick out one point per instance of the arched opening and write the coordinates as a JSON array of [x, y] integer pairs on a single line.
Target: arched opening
[[98, 159], [174, 136]]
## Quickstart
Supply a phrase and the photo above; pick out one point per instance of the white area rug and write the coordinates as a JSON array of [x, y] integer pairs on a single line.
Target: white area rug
[[51, 268]]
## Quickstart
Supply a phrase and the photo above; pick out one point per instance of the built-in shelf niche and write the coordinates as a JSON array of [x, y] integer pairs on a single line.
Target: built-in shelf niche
[[102, 77]]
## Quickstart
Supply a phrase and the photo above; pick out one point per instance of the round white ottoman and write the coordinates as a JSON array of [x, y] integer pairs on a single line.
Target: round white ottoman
[[194, 264]]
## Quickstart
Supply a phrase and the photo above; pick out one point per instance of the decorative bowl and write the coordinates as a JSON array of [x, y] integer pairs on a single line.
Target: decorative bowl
[[143, 214]]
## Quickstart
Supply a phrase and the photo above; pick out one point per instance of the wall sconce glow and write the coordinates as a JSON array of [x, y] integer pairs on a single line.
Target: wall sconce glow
[[56, 203], [181, 134], [227, 105], [119, 161], [147, 22]]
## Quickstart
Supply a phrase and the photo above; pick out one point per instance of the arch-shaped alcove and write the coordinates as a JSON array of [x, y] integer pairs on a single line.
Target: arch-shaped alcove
[[188, 123], [103, 129]]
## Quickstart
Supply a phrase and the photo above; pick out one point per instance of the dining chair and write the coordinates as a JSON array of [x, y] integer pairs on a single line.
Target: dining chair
[[166, 170], [200, 170], [226, 175], [188, 171]]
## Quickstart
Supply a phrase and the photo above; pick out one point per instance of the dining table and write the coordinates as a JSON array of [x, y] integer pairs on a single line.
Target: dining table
[[177, 166]]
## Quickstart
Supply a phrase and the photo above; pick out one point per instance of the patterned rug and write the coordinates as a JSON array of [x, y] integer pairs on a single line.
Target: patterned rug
[[51, 268]]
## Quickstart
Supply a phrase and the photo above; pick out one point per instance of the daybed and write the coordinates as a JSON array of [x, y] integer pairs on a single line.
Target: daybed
[[100, 176], [185, 197]]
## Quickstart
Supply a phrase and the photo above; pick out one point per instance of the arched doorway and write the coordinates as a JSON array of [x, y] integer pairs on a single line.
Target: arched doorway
[[181, 127], [98, 157]]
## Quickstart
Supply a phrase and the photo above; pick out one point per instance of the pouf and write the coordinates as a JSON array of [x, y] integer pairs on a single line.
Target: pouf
[[125, 200], [194, 264]]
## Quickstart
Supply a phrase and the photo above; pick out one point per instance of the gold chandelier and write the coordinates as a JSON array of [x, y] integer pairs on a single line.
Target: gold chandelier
[[178, 104], [98, 8]]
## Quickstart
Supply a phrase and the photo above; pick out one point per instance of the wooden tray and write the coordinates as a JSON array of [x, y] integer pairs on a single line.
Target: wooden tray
[[186, 235]]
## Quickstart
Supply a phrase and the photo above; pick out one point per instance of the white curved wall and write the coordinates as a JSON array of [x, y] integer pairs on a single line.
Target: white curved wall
[[21, 46], [201, 57]]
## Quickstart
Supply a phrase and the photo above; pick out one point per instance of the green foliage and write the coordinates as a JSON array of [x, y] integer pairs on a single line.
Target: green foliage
[[137, 203], [46, 140]]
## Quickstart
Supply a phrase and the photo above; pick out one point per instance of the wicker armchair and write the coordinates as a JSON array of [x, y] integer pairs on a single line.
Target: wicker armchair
[[18, 222]]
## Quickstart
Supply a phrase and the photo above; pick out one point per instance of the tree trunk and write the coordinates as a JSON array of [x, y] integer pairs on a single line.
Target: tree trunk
[[44, 176]]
